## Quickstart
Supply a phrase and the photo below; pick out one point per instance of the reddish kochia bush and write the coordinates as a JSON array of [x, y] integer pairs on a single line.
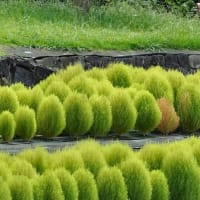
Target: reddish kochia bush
[[170, 119]]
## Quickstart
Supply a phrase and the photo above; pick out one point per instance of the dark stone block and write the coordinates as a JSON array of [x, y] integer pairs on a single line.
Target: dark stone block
[[171, 61], [157, 60]]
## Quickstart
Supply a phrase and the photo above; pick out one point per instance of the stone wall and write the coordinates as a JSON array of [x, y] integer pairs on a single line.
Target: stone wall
[[31, 70]]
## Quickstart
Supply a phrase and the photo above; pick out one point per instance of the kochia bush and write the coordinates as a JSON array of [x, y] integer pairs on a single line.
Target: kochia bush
[[188, 107], [124, 114], [70, 159], [159, 184], [24, 96], [137, 180], [159, 86], [78, 114], [47, 186], [102, 121], [5, 193], [170, 119], [149, 115], [37, 95], [7, 126], [59, 89], [50, 117], [111, 185], [96, 73], [82, 84], [86, 185], [182, 175], [25, 122], [8, 100], [116, 153], [68, 184], [21, 188], [118, 74]]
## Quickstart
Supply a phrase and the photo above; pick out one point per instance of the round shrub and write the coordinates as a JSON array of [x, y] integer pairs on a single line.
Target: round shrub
[[159, 184], [96, 73], [152, 155], [38, 158], [104, 88], [24, 96], [5, 193], [22, 167], [86, 185], [124, 114], [188, 107], [21, 188], [102, 120], [5, 171], [82, 84], [37, 95], [149, 115], [170, 119], [50, 117], [78, 114], [25, 122], [111, 185], [70, 72], [47, 186], [137, 180], [8, 100], [182, 175], [92, 157], [68, 184], [138, 74], [70, 159], [59, 89], [116, 153], [132, 92], [45, 83], [7, 126], [118, 74], [159, 86], [18, 86], [176, 79]]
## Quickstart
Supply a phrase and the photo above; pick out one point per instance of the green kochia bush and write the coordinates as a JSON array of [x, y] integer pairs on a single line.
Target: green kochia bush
[[5, 193], [102, 115], [124, 114], [7, 126], [78, 114], [22, 167], [59, 89], [159, 184], [96, 73], [47, 186], [50, 117], [70, 159], [18, 86], [86, 185], [37, 95], [188, 107], [104, 88], [5, 171], [71, 72], [21, 188], [92, 156], [137, 180], [24, 96], [118, 74], [159, 86], [149, 115], [182, 175], [116, 153], [111, 185], [152, 155], [82, 84], [68, 184], [8, 100], [25, 122], [39, 158]]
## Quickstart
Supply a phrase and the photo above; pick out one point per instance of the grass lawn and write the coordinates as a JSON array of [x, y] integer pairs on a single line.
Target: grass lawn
[[124, 27]]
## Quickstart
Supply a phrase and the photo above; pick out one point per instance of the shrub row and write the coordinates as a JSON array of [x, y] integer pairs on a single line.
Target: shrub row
[[89, 171], [120, 98]]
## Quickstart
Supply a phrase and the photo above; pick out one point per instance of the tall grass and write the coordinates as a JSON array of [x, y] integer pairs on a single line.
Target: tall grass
[[61, 25]]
